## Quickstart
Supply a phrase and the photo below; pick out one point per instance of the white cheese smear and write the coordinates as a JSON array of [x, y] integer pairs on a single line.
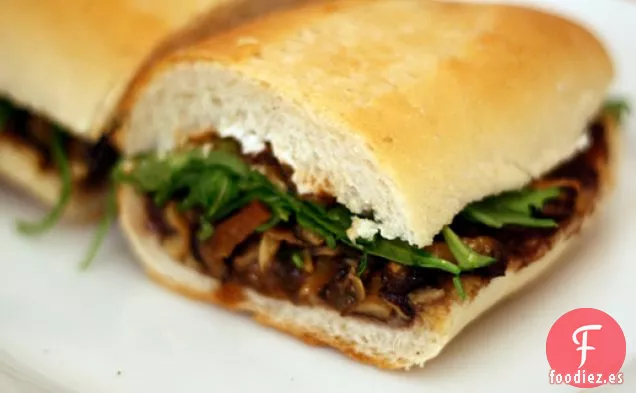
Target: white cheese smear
[[361, 228], [249, 140], [583, 142]]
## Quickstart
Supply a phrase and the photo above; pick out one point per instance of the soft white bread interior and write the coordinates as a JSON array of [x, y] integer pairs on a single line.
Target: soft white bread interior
[[368, 342], [409, 109]]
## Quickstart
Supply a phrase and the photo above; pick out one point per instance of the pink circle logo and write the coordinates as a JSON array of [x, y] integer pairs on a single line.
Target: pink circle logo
[[586, 348]]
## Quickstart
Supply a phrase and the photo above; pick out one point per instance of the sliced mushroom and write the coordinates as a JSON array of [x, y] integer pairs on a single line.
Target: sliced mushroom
[[377, 307], [324, 271], [267, 249], [373, 306], [177, 245], [358, 287], [346, 289], [397, 310], [426, 296]]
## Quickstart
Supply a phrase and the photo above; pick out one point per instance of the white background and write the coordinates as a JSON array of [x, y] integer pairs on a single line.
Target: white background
[[111, 330]]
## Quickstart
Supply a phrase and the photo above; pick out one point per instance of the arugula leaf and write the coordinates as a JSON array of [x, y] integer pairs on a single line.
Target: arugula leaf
[[62, 162], [617, 108], [401, 252], [467, 258], [459, 287], [102, 230], [497, 218], [512, 208], [525, 201]]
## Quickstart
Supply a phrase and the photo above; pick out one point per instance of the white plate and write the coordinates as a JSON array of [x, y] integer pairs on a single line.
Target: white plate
[[111, 330]]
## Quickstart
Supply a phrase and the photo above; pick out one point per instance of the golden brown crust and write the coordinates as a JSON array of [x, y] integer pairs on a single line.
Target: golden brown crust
[[323, 340]]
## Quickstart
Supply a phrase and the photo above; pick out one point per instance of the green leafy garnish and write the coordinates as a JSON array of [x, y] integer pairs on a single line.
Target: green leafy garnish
[[401, 252], [219, 183], [457, 283], [110, 215], [467, 259], [513, 208], [62, 163], [617, 108]]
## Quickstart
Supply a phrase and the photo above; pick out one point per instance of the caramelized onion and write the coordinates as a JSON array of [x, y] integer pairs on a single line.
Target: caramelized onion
[[229, 234]]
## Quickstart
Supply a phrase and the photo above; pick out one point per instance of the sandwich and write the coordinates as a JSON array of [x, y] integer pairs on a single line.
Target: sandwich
[[65, 66], [369, 175]]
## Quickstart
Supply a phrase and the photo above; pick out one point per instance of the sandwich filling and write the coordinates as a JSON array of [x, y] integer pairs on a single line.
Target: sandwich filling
[[238, 218], [83, 167]]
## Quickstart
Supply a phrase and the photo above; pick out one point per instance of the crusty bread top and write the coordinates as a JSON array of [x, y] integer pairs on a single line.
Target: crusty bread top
[[410, 108], [71, 60]]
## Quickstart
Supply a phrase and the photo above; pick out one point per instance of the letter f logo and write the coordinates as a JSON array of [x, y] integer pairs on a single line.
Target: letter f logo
[[583, 344]]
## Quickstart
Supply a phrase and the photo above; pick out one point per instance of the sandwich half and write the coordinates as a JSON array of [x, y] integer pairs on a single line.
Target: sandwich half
[[65, 66], [369, 175]]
